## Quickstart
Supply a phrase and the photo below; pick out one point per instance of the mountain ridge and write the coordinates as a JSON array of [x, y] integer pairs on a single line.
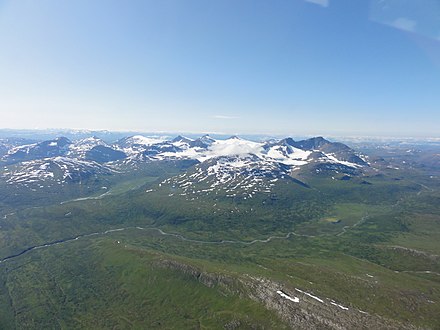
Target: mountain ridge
[[234, 155]]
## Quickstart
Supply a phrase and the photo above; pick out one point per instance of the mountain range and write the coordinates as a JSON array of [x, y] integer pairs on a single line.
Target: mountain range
[[223, 161], [183, 232]]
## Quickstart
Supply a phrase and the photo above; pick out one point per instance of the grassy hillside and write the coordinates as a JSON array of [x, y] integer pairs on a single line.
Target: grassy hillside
[[217, 262]]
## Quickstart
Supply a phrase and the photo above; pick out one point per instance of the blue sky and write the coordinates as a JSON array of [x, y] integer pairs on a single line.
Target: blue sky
[[317, 67]]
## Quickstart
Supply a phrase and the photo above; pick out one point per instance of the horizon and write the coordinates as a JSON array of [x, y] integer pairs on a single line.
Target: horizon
[[303, 67], [220, 164], [60, 132]]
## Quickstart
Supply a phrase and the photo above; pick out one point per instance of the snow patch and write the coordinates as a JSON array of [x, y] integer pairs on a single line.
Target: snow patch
[[310, 295], [282, 294], [340, 306]]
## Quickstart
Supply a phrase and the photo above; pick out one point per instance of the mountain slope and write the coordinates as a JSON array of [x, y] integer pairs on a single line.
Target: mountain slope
[[230, 163], [59, 170], [49, 148]]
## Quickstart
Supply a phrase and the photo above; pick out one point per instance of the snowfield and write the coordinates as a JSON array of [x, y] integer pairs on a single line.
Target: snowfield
[[220, 161]]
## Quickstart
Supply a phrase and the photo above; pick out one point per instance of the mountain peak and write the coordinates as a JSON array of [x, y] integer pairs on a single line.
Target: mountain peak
[[140, 140], [288, 141], [314, 143], [181, 138], [203, 141], [60, 141]]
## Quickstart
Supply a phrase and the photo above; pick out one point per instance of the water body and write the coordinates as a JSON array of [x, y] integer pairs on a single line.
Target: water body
[[160, 231]]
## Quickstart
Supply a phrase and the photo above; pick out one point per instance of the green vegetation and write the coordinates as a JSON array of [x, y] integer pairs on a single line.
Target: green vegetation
[[103, 284], [372, 247]]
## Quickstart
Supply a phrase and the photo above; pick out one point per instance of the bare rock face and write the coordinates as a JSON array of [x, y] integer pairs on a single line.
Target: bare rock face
[[298, 308], [209, 279], [306, 311]]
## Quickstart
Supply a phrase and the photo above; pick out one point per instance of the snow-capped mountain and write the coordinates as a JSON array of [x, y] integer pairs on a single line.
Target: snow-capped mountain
[[243, 175], [237, 167], [95, 149], [7, 144], [49, 148], [285, 151], [181, 140], [218, 161], [136, 144], [79, 148], [59, 170]]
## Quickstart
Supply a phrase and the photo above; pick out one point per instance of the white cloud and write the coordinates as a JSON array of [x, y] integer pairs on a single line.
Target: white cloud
[[224, 117], [405, 24], [323, 3]]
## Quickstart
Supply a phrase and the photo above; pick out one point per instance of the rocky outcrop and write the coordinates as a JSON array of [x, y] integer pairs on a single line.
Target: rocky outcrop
[[298, 308], [312, 312], [209, 279]]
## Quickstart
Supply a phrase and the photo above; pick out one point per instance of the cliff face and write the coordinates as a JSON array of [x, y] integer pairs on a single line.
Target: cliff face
[[297, 308]]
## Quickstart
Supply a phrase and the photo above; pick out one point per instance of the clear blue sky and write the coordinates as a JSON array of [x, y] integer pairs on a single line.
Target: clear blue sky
[[327, 67]]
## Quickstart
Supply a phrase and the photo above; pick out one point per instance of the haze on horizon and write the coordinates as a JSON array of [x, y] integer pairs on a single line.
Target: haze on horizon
[[310, 67]]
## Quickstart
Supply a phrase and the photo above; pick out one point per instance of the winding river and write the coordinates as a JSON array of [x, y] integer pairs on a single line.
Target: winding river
[[160, 231]]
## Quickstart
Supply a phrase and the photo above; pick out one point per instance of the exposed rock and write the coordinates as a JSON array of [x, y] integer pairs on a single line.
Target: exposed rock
[[310, 312]]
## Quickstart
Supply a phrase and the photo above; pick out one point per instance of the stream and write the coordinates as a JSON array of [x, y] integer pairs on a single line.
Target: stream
[[160, 231]]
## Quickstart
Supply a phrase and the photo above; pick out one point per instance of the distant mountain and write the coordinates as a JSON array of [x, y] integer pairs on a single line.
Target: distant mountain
[[7, 144], [49, 148], [181, 140], [79, 148], [218, 159], [71, 134], [137, 141], [104, 154], [55, 170], [138, 148], [337, 150], [230, 176], [202, 142], [238, 167]]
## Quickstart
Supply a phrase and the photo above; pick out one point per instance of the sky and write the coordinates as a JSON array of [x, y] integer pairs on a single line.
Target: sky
[[294, 67]]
